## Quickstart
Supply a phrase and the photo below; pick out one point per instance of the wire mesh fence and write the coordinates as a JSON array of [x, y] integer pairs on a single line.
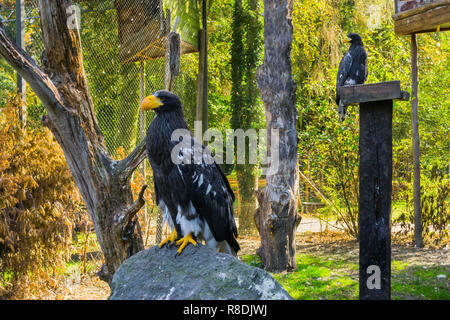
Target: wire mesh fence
[[124, 48]]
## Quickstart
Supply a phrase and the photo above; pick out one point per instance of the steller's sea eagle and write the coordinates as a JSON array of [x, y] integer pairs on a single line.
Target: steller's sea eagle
[[352, 69], [192, 191]]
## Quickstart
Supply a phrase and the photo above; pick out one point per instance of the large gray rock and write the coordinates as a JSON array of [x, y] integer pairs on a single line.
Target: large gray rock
[[198, 273]]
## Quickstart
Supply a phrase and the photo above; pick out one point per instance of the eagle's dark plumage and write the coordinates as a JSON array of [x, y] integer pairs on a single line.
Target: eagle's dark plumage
[[194, 195], [352, 69]]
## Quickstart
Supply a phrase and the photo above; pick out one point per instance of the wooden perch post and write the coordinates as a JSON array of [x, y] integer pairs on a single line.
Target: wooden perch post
[[375, 184]]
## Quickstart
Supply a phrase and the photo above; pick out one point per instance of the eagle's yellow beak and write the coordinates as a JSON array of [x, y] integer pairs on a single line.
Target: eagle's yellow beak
[[151, 102]]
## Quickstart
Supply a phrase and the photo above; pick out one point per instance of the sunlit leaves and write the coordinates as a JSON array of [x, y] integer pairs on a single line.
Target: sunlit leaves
[[38, 202]]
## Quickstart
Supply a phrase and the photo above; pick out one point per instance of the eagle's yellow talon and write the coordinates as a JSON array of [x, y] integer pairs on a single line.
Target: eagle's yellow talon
[[183, 242], [171, 238]]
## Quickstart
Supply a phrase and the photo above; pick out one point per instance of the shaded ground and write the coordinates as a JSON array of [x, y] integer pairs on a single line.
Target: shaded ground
[[325, 246], [336, 244], [328, 269]]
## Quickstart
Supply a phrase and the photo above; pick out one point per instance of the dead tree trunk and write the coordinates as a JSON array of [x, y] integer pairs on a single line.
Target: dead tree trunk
[[62, 87], [278, 217]]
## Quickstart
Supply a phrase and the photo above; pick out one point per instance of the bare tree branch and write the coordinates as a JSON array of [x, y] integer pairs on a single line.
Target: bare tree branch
[[124, 218], [125, 167], [30, 71]]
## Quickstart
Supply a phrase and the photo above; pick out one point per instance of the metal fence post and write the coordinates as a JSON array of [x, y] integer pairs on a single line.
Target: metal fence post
[[20, 41]]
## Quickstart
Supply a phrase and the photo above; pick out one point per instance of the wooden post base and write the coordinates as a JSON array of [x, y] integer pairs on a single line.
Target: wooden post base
[[375, 188], [375, 183]]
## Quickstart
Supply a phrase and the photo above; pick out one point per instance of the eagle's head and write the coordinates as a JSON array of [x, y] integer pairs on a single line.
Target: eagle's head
[[161, 101], [354, 38]]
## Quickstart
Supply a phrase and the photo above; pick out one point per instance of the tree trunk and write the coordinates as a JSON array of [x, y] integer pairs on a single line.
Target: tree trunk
[[278, 217], [62, 87]]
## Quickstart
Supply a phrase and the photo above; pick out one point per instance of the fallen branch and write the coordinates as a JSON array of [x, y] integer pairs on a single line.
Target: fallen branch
[[316, 191], [321, 196]]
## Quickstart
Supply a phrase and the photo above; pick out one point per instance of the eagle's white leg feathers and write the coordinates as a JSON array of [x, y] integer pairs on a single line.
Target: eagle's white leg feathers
[[195, 227], [187, 225]]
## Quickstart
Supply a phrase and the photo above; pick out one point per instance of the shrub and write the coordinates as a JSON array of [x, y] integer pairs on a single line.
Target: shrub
[[332, 149], [38, 201], [435, 204]]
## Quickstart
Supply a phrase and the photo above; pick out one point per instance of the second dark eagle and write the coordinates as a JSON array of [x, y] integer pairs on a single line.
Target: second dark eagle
[[191, 189], [352, 69]]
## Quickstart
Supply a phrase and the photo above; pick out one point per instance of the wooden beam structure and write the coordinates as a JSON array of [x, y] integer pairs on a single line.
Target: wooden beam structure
[[375, 184], [389, 90], [411, 18], [143, 29], [429, 17]]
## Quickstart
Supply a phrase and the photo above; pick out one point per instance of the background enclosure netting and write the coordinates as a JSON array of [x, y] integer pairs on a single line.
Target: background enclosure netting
[[117, 36], [121, 38]]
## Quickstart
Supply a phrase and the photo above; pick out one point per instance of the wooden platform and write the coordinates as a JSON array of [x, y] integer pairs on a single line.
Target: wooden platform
[[371, 92], [424, 18]]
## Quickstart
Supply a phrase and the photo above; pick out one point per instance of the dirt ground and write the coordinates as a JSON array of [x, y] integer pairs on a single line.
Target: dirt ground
[[327, 243]]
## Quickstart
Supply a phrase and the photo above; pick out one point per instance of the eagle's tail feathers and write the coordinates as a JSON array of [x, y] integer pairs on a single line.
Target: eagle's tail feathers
[[342, 110], [225, 247]]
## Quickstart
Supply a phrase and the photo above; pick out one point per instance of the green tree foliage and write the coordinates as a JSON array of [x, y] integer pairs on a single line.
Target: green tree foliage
[[330, 147], [7, 81], [245, 55], [435, 204]]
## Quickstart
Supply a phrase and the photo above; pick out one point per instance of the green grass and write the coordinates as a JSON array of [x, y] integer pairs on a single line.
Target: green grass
[[419, 282], [316, 278], [319, 277], [77, 267]]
